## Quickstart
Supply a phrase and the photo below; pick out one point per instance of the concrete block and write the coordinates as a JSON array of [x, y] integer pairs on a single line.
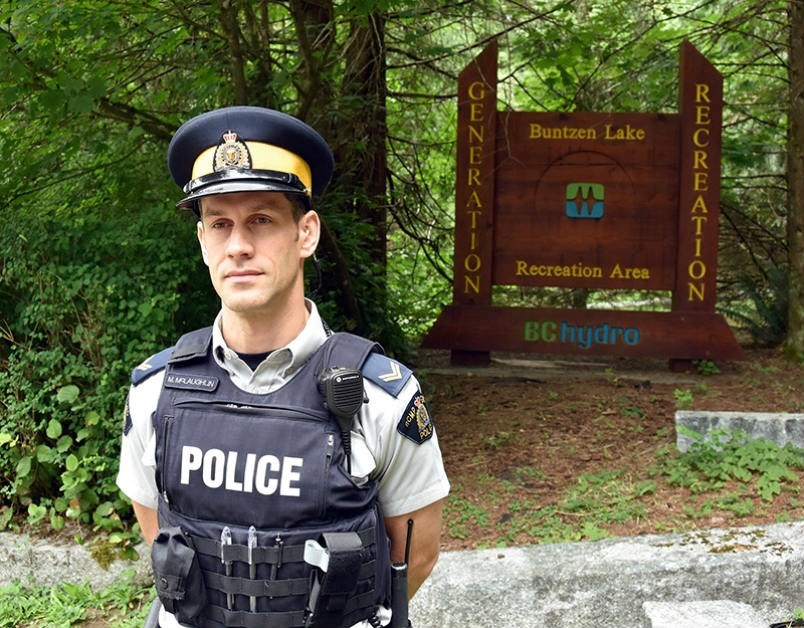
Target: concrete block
[[702, 614], [779, 428], [605, 583], [39, 562]]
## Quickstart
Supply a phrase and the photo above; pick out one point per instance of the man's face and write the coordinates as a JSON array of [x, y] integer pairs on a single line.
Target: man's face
[[255, 250]]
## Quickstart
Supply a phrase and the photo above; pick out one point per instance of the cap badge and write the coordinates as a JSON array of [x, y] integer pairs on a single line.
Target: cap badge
[[231, 153]]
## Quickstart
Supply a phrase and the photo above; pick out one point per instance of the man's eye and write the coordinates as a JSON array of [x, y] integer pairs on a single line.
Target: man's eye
[[261, 220]]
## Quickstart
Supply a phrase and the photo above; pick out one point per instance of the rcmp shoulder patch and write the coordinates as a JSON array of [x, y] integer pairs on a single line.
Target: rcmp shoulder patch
[[386, 373], [152, 365], [416, 424], [127, 422]]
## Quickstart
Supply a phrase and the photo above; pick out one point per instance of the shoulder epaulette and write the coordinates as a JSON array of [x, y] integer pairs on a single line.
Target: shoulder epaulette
[[152, 365], [386, 373]]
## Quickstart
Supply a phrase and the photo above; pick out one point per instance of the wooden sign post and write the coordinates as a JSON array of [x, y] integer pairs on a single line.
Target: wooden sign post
[[587, 200]]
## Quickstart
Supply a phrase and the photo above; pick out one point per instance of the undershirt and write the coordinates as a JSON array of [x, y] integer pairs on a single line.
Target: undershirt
[[254, 359]]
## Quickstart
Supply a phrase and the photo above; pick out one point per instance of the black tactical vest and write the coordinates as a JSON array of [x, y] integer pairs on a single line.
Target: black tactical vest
[[245, 480]]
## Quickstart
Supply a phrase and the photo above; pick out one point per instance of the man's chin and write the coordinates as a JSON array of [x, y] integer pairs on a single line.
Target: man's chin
[[245, 306]]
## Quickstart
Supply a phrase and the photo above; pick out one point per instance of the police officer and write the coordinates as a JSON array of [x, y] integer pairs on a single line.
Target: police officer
[[274, 466]]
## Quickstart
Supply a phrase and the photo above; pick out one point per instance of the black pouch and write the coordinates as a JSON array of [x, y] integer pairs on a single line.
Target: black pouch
[[330, 591], [177, 574]]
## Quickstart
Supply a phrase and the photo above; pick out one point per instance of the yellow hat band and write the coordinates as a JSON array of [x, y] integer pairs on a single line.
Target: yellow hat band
[[258, 156]]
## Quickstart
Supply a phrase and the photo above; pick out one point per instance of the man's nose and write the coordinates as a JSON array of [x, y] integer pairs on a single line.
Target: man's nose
[[240, 243]]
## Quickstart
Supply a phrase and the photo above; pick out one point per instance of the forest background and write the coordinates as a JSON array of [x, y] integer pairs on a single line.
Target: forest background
[[98, 270]]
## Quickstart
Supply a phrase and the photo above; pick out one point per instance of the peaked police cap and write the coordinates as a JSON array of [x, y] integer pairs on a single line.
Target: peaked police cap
[[248, 149]]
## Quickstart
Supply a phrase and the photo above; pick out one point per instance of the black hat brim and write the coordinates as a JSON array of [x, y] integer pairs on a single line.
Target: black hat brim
[[236, 180]]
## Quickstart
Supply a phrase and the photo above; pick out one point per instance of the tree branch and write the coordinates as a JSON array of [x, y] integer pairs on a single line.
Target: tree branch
[[231, 31]]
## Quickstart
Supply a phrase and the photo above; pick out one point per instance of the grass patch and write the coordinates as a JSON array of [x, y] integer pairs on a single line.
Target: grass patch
[[726, 475], [125, 604], [583, 512]]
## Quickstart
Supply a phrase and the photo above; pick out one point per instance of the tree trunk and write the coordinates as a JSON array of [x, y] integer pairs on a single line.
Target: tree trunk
[[363, 158], [366, 152], [315, 30], [355, 127], [794, 345], [231, 31]]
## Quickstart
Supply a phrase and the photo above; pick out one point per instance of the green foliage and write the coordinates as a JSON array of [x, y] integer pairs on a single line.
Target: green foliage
[[84, 311], [584, 512], [499, 439], [710, 463], [604, 496], [706, 367], [416, 294], [462, 512], [684, 398], [763, 313], [725, 472], [368, 277], [125, 604]]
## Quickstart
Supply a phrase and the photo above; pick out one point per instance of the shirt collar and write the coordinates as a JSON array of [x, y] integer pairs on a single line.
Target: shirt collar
[[281, 364]]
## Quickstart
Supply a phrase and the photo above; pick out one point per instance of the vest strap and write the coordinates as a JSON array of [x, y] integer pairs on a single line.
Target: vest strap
[[255, 588], [344, 349], [271, 555], [215, 616], [271, 588]]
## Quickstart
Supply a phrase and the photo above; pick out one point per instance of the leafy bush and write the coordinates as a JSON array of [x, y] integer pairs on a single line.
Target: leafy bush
[[728, 455], [79, 310], [762, 310]]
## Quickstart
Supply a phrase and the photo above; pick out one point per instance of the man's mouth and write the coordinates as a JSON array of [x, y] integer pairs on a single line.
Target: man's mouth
[[237, 274]]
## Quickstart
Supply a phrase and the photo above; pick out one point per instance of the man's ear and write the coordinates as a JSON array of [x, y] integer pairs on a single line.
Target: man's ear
[[200, 233], [309, 233]]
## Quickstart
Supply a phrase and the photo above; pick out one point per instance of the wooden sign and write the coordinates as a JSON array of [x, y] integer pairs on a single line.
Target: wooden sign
[[587, 200]]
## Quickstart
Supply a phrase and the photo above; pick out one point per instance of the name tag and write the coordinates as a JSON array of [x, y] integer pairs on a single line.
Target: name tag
[[191, 382]]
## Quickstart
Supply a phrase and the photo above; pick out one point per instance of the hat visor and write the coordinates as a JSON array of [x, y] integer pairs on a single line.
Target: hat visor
[[232, 181]]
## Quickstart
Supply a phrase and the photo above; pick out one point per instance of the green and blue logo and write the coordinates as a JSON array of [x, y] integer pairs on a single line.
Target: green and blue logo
[[585, 200]]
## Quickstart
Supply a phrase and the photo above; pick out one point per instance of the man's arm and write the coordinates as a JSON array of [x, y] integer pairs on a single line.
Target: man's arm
[[149, 523], [425, 543]]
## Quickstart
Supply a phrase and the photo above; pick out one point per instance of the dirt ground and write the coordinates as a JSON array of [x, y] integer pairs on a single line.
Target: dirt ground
[[567, 449]]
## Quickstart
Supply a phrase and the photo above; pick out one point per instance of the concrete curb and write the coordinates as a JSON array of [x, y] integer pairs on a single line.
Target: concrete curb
[[40, 562], [567, 585], [711, 614], [606, 583], [779, 427]]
